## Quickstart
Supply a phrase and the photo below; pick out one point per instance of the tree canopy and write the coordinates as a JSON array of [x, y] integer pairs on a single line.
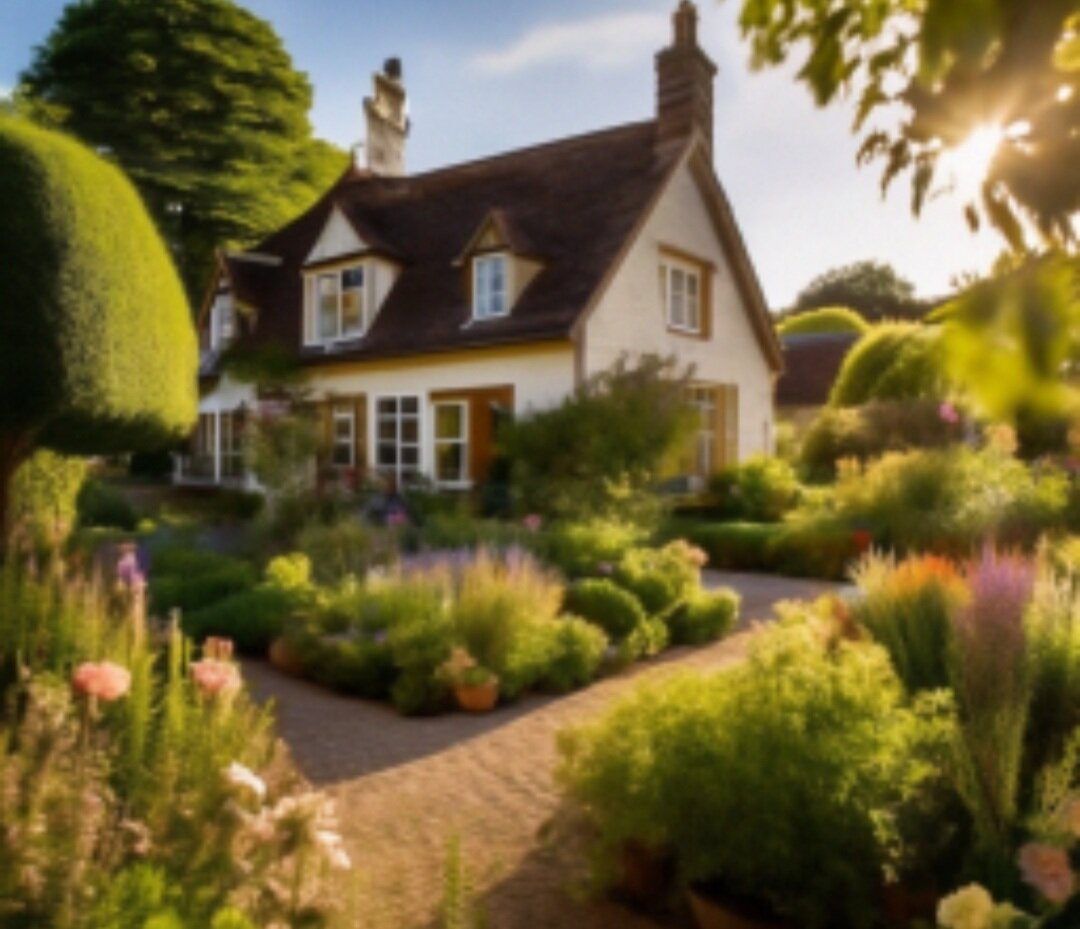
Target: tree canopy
[[871, 288], [199, 102], [97, 349], [932, 74]]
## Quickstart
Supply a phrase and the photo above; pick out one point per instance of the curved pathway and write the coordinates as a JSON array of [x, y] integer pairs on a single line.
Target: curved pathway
[[403, 786]]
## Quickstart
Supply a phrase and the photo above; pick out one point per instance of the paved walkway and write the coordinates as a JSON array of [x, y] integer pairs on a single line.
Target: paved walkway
[[404, 786]]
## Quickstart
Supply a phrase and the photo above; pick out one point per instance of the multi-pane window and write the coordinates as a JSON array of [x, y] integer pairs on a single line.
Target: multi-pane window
[[681, 286], [232, 444], [703, 401], [343, 451], [490, 286], [452, 442], [338, 305], [397, 437]]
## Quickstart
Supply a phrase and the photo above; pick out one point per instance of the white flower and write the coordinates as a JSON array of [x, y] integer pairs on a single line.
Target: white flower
[[334, 849], [968, 908], [239, 775]]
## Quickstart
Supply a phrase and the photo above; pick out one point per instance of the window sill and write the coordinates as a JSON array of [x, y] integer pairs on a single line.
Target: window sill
[[687, 332]]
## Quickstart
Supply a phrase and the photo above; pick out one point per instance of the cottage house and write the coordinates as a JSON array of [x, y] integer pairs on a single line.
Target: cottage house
[[425, 307]]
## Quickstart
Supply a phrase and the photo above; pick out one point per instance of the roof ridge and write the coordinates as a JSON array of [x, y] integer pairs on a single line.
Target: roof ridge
[[485, 160]]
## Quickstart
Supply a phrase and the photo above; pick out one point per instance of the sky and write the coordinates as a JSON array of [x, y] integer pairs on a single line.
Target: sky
[[487, 76]]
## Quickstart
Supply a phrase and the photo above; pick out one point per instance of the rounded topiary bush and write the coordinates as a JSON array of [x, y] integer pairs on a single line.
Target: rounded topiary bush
[[101, 355], [704, 617], [893, 361], [605, 604], [828, 319]]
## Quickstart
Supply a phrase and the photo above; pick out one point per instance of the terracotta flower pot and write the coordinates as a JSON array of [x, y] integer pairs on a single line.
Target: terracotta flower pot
[[714, 911], [477, 698], [284, 659]]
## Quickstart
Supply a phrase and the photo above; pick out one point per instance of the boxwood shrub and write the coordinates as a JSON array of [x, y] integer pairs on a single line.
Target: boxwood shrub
[[605, 604], [705, 617], [251, 618]]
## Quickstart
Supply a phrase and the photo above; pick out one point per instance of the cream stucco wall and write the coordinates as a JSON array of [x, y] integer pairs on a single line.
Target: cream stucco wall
[[541, 375], [630, 317]]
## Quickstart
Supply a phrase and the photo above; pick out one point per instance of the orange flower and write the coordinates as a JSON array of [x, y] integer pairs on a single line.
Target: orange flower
[[104, 680]]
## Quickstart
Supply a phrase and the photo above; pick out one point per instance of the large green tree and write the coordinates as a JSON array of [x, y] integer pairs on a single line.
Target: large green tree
[[871, 287], [97, 348], [199, 101]]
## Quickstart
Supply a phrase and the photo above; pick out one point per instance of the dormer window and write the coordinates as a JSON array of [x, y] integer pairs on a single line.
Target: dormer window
[[490, 286], [337, 305]]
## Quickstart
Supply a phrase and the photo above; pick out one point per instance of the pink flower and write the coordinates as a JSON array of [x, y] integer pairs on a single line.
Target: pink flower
[[104, 680], [214, 677], [1047, 869], [948, 413], [534, 522]]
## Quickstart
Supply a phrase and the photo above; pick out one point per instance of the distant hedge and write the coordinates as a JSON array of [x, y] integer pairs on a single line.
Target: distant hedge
[[829, 319]]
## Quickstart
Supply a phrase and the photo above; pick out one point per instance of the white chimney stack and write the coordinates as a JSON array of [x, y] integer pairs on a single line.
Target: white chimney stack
[[387, 122]]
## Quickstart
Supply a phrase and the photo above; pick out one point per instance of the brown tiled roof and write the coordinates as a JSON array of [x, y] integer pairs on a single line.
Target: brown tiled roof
[[574, 202], [811, 363]]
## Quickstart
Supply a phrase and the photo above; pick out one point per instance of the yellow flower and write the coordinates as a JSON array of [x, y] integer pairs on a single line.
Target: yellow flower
[[968, 908]]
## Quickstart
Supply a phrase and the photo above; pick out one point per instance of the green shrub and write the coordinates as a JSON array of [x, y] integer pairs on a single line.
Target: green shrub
[[706, 616], [251, 618], [604, 447], [760, 489], [831, 319], [909, 609], [103, 505], [951, 500], [44, 492], [576, 651], [584, 549], [358, 666], [893, 361], [289, 572], [733, 546], [650, 637], [342, 548], [871, 430], [819, 549], [660, 577], [603, 603], [195, 579], [821, 740], [448, 531]]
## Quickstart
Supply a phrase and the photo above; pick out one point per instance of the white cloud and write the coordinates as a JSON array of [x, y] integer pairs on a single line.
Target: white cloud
[[599, 44]]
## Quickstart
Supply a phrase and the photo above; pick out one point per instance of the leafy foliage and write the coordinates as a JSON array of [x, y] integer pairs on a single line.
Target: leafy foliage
[[706, 616], [605, 446], [204, 110], [45, 491], [602, 602], [829, 319], [950, 67], [760, 489], [874, 291]]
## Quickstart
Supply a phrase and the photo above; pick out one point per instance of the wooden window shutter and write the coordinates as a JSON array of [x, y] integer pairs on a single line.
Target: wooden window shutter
[[360, 426], [719, 427], [731, 423]]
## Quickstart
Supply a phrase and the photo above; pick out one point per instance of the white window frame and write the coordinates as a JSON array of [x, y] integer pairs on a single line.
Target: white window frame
[[313, 303], [671, 272], [399, 470], [222, 320], [462, 480], [343, 413], [482, 297]]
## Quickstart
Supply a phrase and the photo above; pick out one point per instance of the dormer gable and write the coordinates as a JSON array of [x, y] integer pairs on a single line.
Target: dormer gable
[[338, 237], [498, 265]]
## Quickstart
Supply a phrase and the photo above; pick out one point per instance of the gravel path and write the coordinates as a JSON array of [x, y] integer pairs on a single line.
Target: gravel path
[[404, 786]]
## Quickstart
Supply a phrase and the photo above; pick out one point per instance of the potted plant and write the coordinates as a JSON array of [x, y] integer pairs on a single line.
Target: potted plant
[[476, 688]]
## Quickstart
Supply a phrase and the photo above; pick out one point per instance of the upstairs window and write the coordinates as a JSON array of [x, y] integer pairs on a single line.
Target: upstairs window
[[681, 287], [338, 309], [490, 286]]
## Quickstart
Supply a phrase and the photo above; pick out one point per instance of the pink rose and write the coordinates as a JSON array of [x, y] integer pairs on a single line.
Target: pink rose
[[948, 413], [1047, 869], [533, 522], [214, 677], [103, 679]]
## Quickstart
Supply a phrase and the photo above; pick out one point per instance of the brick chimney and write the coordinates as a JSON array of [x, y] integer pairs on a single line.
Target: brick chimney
[[387, 122], [684, 82]]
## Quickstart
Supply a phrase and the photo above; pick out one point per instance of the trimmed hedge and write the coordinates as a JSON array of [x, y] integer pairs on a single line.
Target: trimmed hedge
[[705, 617], [251, 618], [827, 319], [893, 361]]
